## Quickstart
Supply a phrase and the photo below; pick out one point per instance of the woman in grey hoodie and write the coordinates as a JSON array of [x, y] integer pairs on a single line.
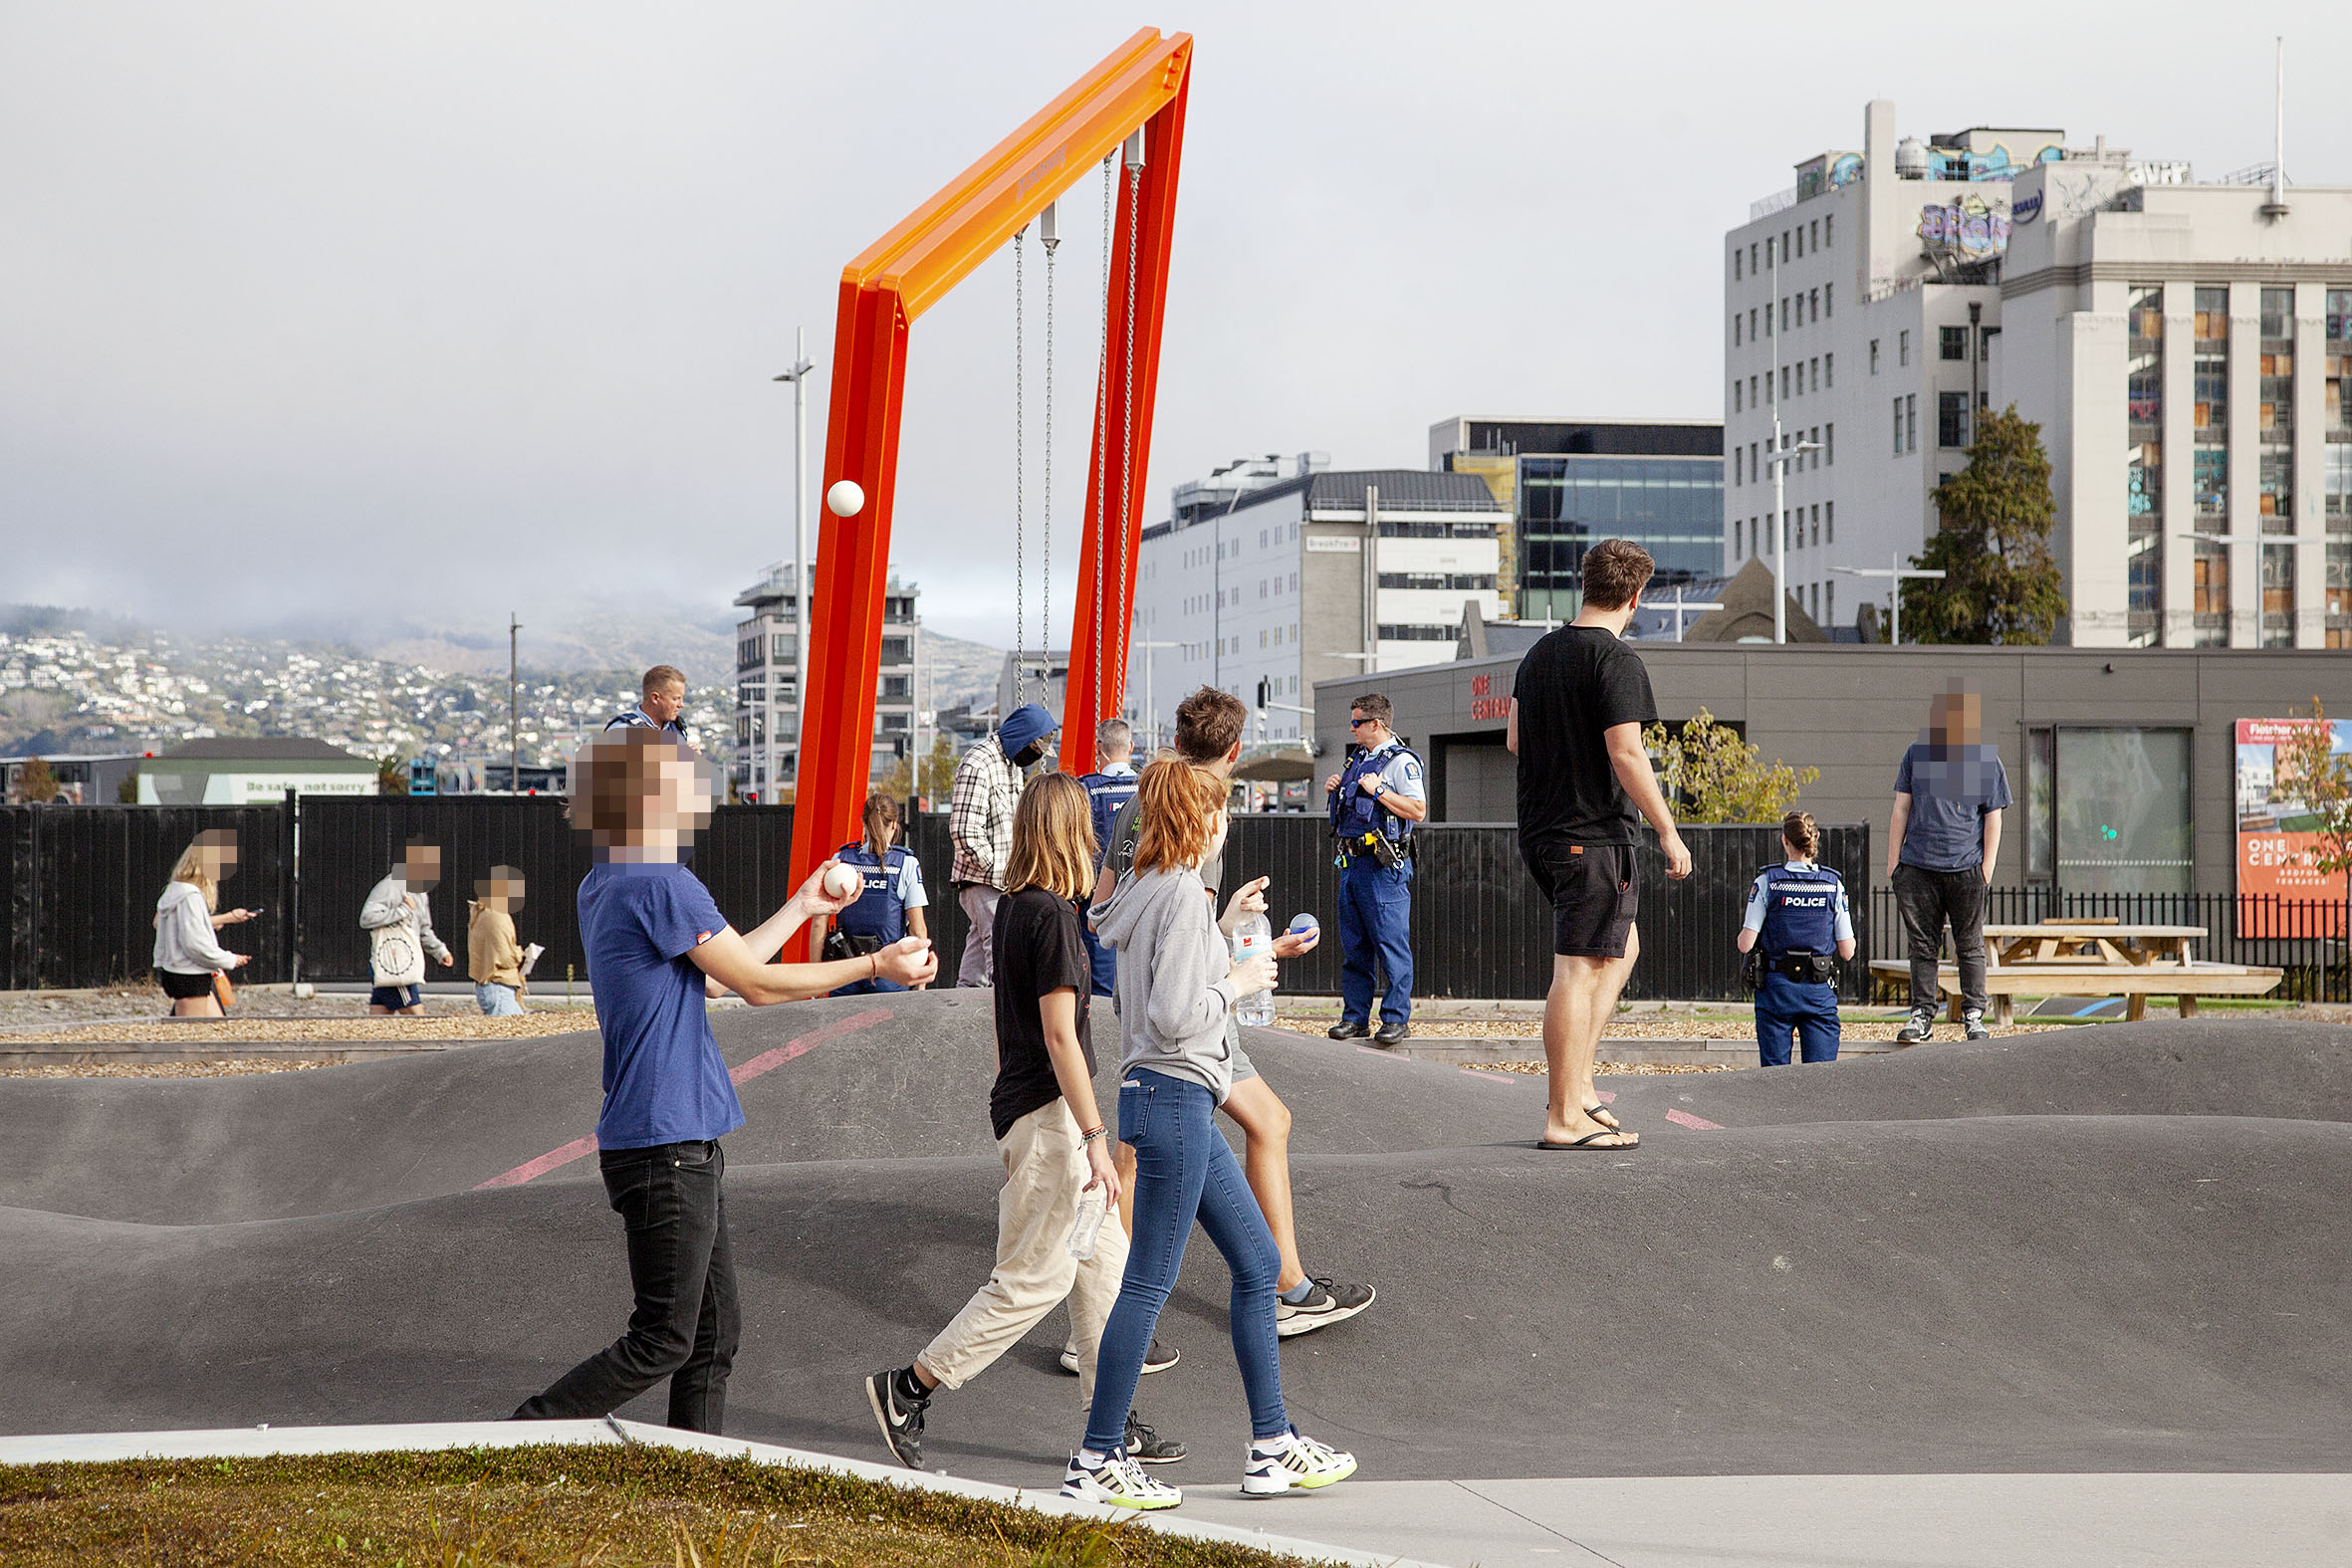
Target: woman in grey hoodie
[[1175, 996], [187, 953]]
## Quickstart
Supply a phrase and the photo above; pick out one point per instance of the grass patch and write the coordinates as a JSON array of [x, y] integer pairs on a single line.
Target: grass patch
[[541, 1507]]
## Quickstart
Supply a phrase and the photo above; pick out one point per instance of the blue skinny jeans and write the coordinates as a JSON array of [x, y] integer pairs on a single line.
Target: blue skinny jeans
[[1185, 1170]]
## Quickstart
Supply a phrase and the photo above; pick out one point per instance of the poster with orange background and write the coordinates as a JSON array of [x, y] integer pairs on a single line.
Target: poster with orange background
[[2277, 837]]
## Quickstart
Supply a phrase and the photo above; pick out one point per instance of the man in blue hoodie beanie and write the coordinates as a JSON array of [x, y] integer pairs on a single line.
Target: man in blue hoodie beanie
[[980, 821]]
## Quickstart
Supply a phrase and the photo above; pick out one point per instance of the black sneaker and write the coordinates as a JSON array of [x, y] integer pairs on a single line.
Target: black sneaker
[[1972, 1026], [900, 1419], [1146, 1447], [1392, 1034], [1347, 1029], [1326, 1303], [1916, 1028], [1159, 1357]]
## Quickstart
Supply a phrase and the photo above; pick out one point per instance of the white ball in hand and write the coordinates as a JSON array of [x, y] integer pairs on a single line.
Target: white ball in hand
[[843, 881]]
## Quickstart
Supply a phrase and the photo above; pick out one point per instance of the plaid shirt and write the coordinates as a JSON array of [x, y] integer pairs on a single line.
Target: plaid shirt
[[980, 815]]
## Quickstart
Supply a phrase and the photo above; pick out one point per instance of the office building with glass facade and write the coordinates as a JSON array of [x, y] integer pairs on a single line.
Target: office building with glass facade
[[767, 684], [1570, 482]]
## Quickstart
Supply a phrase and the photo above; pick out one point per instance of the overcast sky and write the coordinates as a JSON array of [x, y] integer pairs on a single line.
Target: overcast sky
[[377, 310]]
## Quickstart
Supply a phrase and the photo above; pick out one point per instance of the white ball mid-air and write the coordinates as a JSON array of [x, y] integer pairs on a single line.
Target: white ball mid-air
[[846, 499], [842, 882]]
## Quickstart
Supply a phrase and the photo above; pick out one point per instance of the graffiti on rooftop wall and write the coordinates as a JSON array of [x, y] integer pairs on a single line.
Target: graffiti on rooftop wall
[[1996, 163], [1965, 232]]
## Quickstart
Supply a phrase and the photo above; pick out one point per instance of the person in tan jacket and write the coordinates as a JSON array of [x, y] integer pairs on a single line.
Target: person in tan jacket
[[493, 958]]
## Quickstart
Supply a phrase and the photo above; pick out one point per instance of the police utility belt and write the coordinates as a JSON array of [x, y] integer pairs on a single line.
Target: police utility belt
[[840, 945], [1796, 963], [1389, 852]]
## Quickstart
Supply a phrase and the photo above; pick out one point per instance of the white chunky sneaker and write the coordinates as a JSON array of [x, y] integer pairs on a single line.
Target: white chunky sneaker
[[1278, 1464], [1120, 1482]]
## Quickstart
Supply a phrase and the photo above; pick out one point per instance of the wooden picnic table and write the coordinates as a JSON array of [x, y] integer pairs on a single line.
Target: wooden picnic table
[[2091, 958], [2086, 942]]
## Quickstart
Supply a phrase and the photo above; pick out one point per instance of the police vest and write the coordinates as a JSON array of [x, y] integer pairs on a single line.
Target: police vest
[[1105, 794], [1800, 910], [1354, 813], [879, 912]]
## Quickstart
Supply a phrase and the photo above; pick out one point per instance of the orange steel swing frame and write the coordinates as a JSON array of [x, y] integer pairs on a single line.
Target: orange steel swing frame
[[1140, 87]]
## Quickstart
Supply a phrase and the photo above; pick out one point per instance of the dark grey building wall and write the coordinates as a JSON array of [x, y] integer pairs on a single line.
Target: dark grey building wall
[[1850, 709]]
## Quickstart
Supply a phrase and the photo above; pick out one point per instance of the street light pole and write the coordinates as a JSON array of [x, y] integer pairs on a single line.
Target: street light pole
[[799, 376], [1897, 574], [1151, 657], [514, 750]]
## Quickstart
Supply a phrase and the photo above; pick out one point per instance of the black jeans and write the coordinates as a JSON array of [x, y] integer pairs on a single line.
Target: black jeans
[[1925, 900], [687, 1318]]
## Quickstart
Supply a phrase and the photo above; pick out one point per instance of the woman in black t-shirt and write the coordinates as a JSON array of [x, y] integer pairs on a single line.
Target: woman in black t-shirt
[[1056, 1149]]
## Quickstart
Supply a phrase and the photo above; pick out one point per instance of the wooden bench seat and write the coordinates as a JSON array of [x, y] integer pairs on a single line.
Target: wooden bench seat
[[2134, 982]]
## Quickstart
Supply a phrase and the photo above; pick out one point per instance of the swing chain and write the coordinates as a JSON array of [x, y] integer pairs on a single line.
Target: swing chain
[[1051, 240], [1019, 447]]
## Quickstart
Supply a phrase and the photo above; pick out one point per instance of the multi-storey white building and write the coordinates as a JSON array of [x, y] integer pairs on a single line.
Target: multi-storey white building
[[767, 684], [1305, 576], [1873, 310]]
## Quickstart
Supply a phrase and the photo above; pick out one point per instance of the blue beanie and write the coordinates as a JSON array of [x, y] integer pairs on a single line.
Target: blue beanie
[[1024, 725]]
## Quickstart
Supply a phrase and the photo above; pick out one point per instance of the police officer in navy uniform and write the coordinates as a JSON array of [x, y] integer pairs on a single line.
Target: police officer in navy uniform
[[1110, 787], [661, 698], [1375, 802], [1797, 917], [892, 903]]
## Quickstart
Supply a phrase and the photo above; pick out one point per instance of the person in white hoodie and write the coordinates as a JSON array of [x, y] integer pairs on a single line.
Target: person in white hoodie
[[189, 953], [399, 928], [1178, 1037]]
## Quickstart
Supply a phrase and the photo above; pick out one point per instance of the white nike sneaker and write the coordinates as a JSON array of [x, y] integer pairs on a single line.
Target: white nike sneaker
[[1278, 1464], [1120, 1482]]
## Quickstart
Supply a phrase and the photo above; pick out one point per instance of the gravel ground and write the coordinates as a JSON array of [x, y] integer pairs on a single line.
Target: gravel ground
[[346, 1029], [237, 1068], [1618, 1069], [1649, 1026]]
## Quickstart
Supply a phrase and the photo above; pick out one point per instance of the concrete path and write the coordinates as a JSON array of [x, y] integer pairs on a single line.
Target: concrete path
[[1828, 1522]]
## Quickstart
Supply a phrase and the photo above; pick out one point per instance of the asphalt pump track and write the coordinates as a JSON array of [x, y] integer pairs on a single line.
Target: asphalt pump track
[[2117, 1249]]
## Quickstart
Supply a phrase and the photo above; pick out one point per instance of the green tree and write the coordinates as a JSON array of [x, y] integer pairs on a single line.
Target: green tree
[[128, 790], [2309, 769], [36, 781], [1713, 775], [938, 775], [2000, 582]]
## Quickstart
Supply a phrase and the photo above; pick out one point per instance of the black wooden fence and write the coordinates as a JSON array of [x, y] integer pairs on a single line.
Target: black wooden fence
[[78, 888]]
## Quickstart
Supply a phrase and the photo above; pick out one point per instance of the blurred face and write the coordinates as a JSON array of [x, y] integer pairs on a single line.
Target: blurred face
[[219, 854], [664, 703], [1957, 719], [500, 892], [421, 867]]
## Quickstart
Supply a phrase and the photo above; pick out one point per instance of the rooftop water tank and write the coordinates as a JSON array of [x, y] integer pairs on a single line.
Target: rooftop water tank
[[1911, 158]]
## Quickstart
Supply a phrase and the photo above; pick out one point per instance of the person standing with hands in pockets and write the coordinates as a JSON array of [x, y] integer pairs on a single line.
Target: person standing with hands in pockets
[[1059, 1178], [1577, 715]]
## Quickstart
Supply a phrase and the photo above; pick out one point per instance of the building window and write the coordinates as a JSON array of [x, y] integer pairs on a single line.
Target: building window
[[1735, 258], [1903, 348], [2209, 573], [2278, 316], [2211, 480], [1767, 310], [1829, 229], [2143, 591], [1739, 468], [1829, 515], [1815, 439], [1829, 370], [1751, 392], [1952, 419], [1898, 427], [2144, 450], [1735, 405], [1751, 256], [2339, 589], [1813, 303], [2336, 477], [1785, 383], [2278, 596], [1911, 421], [1829, 445], [897, 688], [1752, 324], [1735, 329], [1814, 365], [1874, 357], [1829, 309], [1952, 342]]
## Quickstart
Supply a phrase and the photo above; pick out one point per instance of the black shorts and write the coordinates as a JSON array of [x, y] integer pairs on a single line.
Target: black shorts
[[184, 988], [396, 997], [1593, 894]]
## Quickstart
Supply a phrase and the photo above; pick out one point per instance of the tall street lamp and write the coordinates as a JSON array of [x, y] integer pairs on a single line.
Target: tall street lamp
[[1896, 574], [799, 376]]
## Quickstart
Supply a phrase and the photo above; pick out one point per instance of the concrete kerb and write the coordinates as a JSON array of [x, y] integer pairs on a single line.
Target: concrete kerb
[[101, 1447]]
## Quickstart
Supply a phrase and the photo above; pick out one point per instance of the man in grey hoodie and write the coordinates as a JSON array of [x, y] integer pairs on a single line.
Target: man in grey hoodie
[[400, 932]]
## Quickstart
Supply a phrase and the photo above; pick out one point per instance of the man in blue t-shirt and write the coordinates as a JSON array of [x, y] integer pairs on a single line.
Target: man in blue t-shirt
[[1950, 791], [657, 948]]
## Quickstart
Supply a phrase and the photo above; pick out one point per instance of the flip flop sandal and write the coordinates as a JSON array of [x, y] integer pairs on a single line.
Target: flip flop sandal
[[1603, 1115], [1590, 1141]]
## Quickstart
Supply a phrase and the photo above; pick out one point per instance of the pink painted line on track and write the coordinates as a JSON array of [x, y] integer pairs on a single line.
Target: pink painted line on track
[[1374, 1050], [1492, 1077], [766, 1061], [1700, 1123], [1605, 1096]]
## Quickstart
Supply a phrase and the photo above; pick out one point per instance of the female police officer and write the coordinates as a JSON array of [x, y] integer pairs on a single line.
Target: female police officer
[[1798, 912]]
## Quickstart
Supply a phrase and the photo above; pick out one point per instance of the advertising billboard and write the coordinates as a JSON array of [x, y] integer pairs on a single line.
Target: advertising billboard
[[2276, 836]]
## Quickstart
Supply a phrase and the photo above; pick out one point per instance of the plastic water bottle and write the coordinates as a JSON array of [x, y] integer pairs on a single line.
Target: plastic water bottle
[[1252, 938], [1093, 1211]]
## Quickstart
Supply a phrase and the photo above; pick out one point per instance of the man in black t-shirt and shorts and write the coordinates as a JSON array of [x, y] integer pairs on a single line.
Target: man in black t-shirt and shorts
[[1576, 718]]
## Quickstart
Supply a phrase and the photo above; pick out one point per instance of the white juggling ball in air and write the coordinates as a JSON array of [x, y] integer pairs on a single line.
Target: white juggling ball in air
[[846, 499]]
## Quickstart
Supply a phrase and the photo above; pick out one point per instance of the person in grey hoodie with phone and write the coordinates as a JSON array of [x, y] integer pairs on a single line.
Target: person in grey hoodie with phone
[[1177, 1038]]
